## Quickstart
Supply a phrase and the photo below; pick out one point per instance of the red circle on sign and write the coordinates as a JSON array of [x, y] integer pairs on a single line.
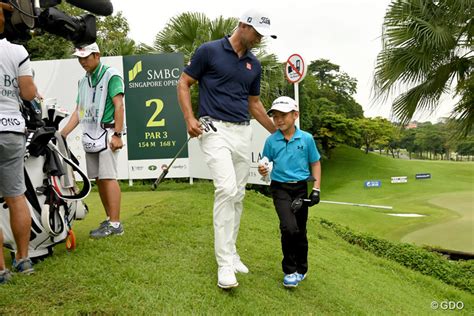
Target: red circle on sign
[[294, 72]]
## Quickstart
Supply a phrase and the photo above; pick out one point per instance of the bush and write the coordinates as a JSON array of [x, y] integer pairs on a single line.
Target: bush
[[459, 274]]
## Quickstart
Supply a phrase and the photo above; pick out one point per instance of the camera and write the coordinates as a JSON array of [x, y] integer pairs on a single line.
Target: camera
[[19, 17]]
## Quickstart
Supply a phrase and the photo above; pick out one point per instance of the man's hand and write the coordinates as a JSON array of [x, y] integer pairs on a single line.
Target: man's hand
[[194, 127], [116, 143], [314, 197]]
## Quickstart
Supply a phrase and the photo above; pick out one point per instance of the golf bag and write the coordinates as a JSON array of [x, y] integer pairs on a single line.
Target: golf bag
[[53, 196]]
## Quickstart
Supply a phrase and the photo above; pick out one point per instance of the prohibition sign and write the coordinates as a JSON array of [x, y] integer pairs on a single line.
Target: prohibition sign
[[295, 68]]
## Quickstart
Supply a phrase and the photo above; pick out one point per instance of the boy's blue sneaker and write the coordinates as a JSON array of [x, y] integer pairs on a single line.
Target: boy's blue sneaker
[[5, 276], [23, 266], [290, 280], [300, 277]]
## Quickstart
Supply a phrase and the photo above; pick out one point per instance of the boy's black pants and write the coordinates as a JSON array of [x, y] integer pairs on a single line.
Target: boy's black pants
[[294, 242]]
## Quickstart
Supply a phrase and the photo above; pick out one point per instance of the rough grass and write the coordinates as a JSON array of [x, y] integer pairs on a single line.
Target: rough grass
[[164, 264]]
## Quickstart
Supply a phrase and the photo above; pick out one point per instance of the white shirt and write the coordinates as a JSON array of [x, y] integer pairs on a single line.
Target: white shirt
[[14, 63]]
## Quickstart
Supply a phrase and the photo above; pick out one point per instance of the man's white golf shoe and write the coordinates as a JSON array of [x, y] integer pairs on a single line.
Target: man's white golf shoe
[[226, 278], [239, 267]]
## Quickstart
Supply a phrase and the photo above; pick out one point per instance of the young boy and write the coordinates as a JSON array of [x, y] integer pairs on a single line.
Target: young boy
[[295, 160]]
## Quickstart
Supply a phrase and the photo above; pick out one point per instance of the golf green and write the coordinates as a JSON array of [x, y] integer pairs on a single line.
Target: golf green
[[457, 234]]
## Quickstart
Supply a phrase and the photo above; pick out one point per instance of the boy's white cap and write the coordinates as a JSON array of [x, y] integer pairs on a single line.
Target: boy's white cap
[[283, 104], [260, 22], [86, 50]]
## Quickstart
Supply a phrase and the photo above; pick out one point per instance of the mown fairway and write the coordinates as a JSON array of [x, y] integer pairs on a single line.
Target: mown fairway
[[447, 199], [165, 264], [453, 234]]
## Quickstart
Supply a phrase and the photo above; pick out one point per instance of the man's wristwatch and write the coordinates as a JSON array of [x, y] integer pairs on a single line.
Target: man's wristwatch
[[118, 134]]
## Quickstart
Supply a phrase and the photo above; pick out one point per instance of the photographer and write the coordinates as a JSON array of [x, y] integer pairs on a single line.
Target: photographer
[[16, 81]]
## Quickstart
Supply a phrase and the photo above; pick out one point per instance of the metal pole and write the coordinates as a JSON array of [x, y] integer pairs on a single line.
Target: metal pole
[[297, 99]]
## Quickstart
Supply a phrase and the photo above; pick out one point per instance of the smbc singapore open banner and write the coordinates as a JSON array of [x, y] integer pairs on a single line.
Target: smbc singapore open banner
[[155, 126]]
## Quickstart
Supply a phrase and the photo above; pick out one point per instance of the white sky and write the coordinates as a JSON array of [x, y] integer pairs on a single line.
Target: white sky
[[347, 32]]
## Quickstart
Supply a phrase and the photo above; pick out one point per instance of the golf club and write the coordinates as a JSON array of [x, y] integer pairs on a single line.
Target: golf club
[[206, 125], [166, 168], [298, 203]]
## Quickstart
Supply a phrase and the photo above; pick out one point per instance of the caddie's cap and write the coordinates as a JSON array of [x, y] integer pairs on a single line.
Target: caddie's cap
[[86, 50], [260, 22], [283, 104]]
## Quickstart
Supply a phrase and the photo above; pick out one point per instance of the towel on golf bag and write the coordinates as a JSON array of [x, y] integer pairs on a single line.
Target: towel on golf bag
[[54, 199]]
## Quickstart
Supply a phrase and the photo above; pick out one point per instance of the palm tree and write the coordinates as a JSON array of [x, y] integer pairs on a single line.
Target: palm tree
[[427, 51], [112, 36], [183, 33], [117, 47], [273, 83]]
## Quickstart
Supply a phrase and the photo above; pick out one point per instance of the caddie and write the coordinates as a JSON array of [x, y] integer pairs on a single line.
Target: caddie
[[100, 111]]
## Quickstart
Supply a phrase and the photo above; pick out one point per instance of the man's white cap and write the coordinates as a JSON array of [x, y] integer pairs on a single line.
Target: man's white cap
[[260, 22], [86, 50], [283, 104]]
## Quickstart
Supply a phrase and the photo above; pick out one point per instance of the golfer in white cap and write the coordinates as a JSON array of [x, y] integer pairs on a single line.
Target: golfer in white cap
[[229, 92]]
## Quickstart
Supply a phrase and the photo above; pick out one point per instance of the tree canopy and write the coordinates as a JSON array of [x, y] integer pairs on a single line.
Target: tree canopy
[[112, 38], [328, 109], [427, 52]]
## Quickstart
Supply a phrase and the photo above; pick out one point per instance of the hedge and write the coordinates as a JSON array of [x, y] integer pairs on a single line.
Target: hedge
[[457, 273]]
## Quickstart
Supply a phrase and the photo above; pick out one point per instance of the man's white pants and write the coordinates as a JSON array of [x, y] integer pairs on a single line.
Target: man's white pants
[[227, 154]]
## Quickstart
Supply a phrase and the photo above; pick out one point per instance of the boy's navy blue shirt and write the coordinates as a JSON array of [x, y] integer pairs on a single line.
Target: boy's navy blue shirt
[[291, 159], [225, 80]]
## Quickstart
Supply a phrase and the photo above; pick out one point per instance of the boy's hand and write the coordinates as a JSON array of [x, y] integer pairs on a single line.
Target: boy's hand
[[263, 170], [314, 197]]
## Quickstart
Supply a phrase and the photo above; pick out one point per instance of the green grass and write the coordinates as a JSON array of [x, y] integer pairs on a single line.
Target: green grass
[[165, 264], [343, 180], [447, 235]]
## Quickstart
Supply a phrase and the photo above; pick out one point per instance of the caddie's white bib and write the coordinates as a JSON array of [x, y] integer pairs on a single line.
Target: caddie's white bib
[[92, 99]]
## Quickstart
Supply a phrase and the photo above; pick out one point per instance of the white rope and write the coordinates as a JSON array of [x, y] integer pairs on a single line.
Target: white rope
[[359, 204]]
